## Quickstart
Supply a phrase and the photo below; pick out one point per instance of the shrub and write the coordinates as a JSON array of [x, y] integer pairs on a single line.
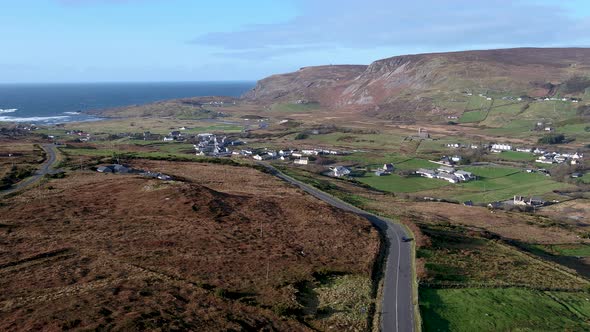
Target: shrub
[[301, 136], [552, 139]]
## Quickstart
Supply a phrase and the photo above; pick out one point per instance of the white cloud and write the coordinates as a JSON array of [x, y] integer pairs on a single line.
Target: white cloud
[[412, 24]]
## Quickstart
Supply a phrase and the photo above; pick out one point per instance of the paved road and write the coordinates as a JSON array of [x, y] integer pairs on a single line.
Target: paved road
[[397, 307], [46, 168]]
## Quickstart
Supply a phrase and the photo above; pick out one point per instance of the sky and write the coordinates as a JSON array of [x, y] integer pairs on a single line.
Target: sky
[[229, 40]]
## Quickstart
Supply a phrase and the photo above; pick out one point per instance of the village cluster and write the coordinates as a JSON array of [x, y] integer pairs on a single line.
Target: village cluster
[[543, 156], [573, 100]]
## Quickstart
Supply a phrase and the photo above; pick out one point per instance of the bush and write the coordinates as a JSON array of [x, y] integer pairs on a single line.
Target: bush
[[552, 139], [301, 136]]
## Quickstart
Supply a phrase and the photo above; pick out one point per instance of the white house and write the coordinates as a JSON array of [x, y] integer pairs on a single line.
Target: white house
[[524, 150], [388, 168], [301, 161], [427, 173], [339, 171], [501, 147], [168, 139], [446, 169], [310, 152], [464, 176], [447, 177]]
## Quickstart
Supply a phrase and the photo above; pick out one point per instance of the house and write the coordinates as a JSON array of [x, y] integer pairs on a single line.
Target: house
[[447, 177], [262, 156], [164, 177], [468, 203], [446, 161], [339, 171], [310, 152], [155, 175], [381, 172], [532, 201], [423, 134], [464, 176], [388, 168], [175, 133], [545, 160], [301, 161], [116, 168], [494, 205], [446, 169], [105, 169], [427, 173], [577, 175], [456, 159], [121, 169], [168, 139], [524, 150], [501, 147]]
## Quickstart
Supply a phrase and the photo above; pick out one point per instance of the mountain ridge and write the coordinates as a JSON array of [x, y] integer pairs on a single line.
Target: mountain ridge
[[412, 82]]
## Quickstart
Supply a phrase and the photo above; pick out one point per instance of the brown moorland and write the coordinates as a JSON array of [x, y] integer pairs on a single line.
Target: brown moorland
[[223, 250]]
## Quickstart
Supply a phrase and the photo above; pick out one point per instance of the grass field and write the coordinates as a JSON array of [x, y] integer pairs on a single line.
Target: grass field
[[473, 116], [295, 108], [571, 250], [508, 309], [515, 156], [493, 183], [398, 184], [357, 141], [498, 183], [461, 257]]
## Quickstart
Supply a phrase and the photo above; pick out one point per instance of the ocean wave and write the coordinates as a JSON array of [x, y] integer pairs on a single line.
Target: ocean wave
[[72, 113], [33, 118], [10, 110]]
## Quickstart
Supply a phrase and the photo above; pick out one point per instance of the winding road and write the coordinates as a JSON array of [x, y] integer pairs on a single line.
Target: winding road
[[397, 309], [46, 168]]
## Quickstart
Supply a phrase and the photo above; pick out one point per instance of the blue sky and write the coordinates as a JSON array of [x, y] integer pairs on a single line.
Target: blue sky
[[184, 40]]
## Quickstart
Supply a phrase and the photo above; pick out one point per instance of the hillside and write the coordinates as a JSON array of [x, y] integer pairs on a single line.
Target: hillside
[[225, 249], [423, 83], [318, 84]]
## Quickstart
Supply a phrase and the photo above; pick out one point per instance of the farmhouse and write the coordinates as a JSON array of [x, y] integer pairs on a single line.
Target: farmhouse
[[446, 173], [464, 176], [448, 177], [339, 171]]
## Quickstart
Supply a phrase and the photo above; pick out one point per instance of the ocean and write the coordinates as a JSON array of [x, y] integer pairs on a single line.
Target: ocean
[[60, 103]]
